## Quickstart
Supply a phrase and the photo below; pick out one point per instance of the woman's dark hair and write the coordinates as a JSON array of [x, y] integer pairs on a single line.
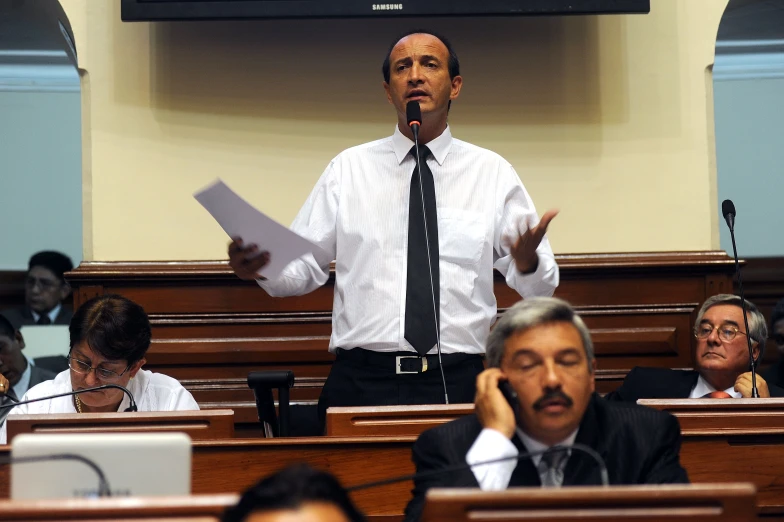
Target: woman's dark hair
[[291, 488], [113, 326], [453, 65]]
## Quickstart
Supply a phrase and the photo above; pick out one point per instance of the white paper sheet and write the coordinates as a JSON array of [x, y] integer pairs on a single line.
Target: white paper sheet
[[240, 219]]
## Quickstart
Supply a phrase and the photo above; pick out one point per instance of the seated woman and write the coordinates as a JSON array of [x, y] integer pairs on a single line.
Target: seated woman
[[109, 337]]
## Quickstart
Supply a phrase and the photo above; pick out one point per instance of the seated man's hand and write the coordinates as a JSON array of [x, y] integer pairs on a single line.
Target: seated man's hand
[[4, 385], [246, 260], [492, 409], [743, 385]]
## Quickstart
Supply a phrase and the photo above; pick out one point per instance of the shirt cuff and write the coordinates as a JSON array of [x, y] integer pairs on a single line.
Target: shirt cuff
[[492, 445]]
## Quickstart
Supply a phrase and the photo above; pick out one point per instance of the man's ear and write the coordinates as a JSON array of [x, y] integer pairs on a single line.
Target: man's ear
[[136, 367], [19, 339], [755, 352]]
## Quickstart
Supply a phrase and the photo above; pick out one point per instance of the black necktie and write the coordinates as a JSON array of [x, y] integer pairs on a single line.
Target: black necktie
[[420, 317], [44, 319]]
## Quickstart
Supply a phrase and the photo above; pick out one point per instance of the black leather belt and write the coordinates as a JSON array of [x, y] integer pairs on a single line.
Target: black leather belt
[[405, 362]]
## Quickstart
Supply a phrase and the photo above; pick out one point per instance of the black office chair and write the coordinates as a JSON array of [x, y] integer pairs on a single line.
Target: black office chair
[[262, 384]]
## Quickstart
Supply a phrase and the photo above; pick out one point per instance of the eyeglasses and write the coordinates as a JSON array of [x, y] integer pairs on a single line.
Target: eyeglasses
[[43, 284], [102, 373], [727, 332]]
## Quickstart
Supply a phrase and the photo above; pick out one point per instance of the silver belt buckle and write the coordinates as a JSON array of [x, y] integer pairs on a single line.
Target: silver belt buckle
[[397, 363]]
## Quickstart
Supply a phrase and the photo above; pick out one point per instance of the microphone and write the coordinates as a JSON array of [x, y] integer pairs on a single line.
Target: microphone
[[131, 407], [728, 210], [414, 119], [527, 455], [103, 485]]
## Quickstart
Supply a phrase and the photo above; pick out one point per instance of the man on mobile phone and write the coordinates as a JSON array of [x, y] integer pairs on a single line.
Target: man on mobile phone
[[542, 351]]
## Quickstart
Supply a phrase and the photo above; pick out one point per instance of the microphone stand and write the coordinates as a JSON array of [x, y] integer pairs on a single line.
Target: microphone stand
[[130, 408], [730, 217]]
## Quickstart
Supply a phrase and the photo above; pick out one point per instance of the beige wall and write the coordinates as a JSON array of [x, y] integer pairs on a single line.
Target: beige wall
[[607, 118]]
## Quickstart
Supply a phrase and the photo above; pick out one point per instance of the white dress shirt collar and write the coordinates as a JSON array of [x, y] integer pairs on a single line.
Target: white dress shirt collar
[[439, 146], [21, 386], [53, 313], [532, 444], [703, 388]]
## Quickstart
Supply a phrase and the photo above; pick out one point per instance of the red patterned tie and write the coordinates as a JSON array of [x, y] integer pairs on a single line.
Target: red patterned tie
[[717, 395]]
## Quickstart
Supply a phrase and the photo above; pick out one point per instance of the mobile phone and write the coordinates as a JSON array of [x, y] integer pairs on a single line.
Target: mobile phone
[[511, 397]]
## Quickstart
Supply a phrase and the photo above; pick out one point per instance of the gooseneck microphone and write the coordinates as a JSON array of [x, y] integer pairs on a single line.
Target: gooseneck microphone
[[414, 119], [728, 210], [605, 477], [103, 485], [131, 407]]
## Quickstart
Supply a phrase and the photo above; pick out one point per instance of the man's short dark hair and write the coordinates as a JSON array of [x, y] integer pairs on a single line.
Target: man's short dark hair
[[291, 488], [57, 262], [113, 326], [453, 64], [7, 328], [777, 314]]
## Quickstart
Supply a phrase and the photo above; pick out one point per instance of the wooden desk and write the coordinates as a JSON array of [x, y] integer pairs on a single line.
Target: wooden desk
[[391, 421], [196, 508], [733, 440], [231, 466], [209, 425], [697, 503]]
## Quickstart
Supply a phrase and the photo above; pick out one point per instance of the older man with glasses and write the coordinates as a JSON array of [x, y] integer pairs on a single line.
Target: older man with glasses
[[721, 359], [46, 292], [109, 337]]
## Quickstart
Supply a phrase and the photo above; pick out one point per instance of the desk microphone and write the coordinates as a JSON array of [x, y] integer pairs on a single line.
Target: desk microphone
[[728, 210], [414, 119], [131, 407], [103, 485], [453, 469]]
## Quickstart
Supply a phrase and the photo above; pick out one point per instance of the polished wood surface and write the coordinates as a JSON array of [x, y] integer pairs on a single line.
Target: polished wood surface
[[374, 421], [188, 508], [697, 503], [231, 466], [199, 425], [210, 328]]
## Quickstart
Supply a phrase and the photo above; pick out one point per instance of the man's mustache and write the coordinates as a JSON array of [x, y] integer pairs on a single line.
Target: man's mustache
[[551, 395]]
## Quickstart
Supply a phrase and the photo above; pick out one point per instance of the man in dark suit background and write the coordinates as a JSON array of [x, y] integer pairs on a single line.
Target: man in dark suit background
[[721, 359], [544, 351], [46, 292], [775, 374], [17, 372]]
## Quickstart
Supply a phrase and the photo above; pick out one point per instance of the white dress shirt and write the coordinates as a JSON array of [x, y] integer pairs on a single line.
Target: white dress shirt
[[358, 214], [703, 388], [53, 313], [493, 445], [152, 392]]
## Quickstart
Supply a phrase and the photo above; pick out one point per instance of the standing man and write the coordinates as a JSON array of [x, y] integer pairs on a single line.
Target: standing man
[[46, 292], [367, 211]]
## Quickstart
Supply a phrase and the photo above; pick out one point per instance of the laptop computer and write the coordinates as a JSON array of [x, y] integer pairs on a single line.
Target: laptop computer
[[133, 463]]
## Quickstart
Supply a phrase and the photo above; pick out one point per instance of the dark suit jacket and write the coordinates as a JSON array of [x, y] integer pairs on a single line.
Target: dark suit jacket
[[663, 383], [639, 445], [37, 376], [775, 374], [22, 316]]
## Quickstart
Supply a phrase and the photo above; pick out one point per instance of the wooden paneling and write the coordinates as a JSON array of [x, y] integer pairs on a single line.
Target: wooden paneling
[[763, 284], [210, 329], [386, 421]]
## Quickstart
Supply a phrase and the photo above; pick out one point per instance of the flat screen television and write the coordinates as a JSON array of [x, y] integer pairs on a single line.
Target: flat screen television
[[161, 10]]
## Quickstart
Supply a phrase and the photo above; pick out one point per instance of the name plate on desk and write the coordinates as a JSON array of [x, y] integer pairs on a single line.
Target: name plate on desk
[[699, 503], [391, 421], [198, 424]]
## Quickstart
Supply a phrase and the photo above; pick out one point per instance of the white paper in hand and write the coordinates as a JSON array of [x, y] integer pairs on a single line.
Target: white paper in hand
[[239, 219]]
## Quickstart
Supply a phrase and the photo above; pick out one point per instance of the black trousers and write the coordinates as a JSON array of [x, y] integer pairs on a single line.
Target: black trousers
[[356, 381]]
